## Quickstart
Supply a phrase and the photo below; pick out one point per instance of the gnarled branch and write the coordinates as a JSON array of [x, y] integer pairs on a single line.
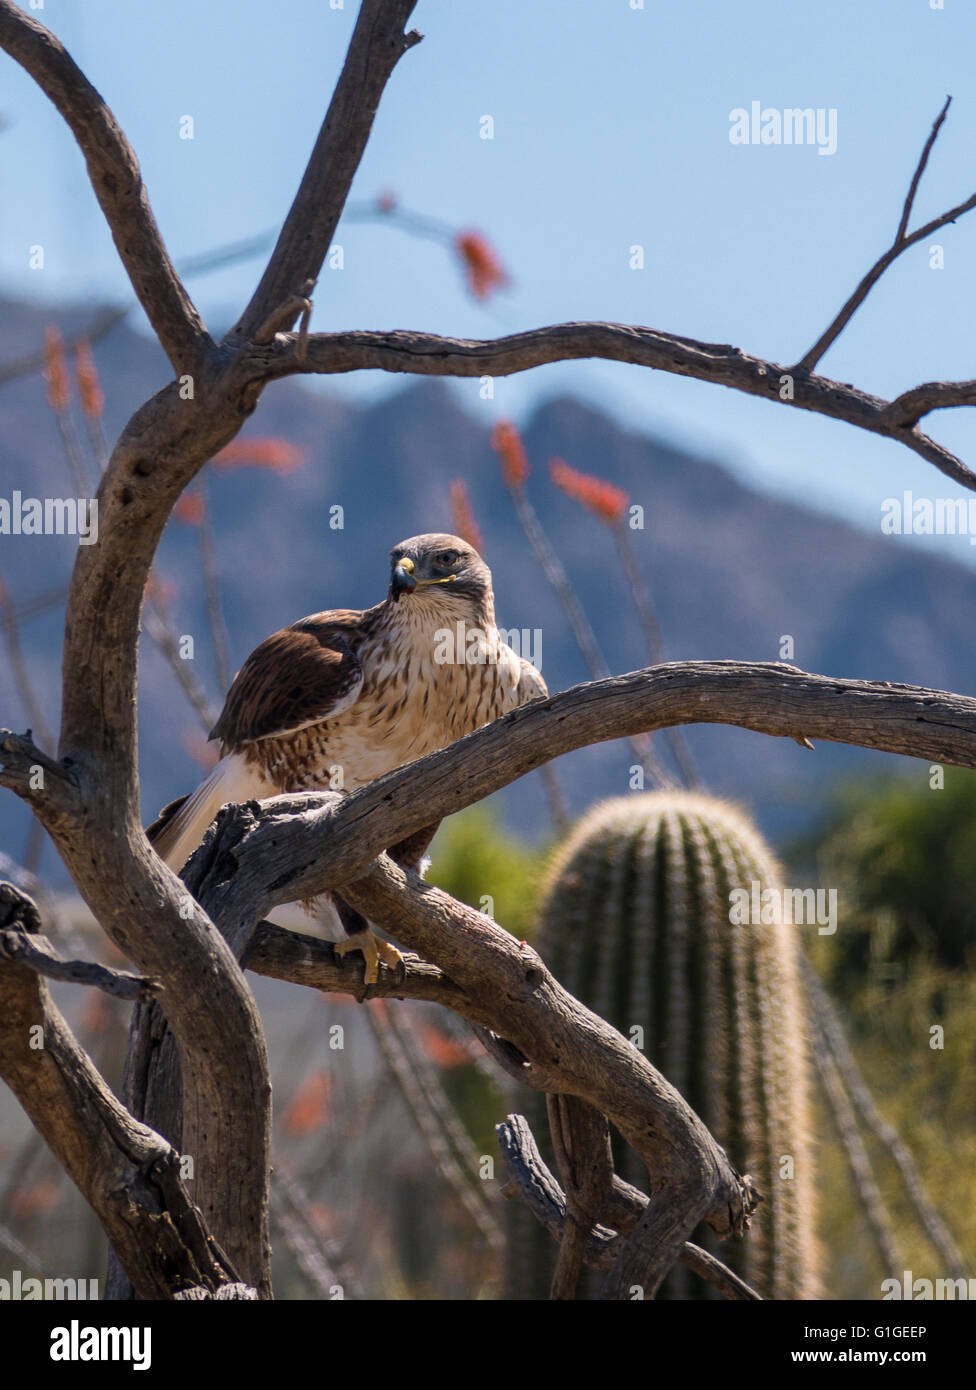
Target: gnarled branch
[[127, 1172], [538, 1188], [901, 243], [326, 839], [429, 354]]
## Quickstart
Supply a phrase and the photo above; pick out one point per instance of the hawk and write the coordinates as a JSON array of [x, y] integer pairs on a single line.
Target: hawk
[[343, 696]]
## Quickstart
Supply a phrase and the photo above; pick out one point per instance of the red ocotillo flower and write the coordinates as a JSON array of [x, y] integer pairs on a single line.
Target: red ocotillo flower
[[444, 1051], [462, 517], [97, 1013], [89, 387], [482, 268], [386, 201], [507, 442], [56, 370], [35, 1200], [159, 590], [200, 749], [309, 1106], [189, 508], [605, 500], [276, 454]]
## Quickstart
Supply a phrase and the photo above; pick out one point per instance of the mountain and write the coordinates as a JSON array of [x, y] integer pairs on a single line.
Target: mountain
[[731, 570]]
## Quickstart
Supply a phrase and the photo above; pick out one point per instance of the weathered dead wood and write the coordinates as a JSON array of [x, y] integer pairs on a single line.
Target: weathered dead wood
[[532, 1180], [581, 1141], [88, 798], [129, 1174], [431, 354], [90, 803], [327, 839]]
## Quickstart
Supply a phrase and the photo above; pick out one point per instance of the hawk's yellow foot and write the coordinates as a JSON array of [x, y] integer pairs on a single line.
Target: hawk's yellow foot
[[374, 949]]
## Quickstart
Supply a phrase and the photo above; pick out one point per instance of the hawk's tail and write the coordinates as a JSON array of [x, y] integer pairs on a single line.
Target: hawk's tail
[[181, 825]]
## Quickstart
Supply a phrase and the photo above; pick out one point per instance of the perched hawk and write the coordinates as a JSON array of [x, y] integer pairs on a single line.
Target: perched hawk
[[342, 697]]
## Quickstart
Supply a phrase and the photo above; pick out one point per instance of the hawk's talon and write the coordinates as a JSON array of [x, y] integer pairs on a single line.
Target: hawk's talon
[[373, 950]]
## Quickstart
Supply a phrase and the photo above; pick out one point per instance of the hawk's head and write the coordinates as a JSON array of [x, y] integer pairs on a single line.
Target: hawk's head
[[442, 570]]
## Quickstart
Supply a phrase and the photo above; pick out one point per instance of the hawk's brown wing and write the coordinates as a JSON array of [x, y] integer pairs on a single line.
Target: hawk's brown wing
[[164, 817], [297, 677]]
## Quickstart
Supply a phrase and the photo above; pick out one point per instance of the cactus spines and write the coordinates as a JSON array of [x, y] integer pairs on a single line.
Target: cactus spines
[[635, 922]]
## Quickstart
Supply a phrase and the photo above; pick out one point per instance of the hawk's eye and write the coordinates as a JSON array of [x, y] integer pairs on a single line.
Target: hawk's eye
[[446, 558]]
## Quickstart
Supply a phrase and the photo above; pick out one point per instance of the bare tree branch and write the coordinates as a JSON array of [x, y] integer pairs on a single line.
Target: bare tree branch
[[515, 995], [428, 354], [910, 406], [37, 953], [225, 1118], [538, 1188], [377, 43], [309, 960], [321, 840], [581, 1141], [127, 1173], [920, 170], [901, 243], [117, 182]]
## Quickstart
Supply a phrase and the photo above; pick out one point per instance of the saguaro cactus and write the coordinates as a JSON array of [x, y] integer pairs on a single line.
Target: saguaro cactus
[[635, 921]]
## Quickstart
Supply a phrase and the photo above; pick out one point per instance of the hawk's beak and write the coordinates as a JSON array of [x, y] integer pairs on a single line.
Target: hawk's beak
[[404, 579]]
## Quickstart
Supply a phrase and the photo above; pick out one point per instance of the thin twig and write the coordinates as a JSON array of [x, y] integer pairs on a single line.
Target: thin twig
[[581, 1142], [320, 1259], [556, 801], [901, 243], [77, 467]]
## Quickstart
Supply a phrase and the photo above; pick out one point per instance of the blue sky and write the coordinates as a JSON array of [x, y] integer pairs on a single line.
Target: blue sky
[[611, 129]]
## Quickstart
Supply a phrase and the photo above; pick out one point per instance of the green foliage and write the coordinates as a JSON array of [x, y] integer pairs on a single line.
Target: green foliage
[[473, 859], [901, 857], [926, 1092], [900, 854]]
